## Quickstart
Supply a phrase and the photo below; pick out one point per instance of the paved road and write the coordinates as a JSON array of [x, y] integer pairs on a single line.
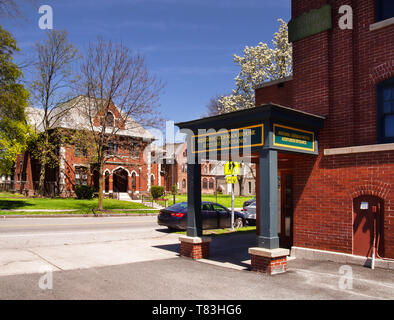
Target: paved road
[[28, 245], [35, 232]]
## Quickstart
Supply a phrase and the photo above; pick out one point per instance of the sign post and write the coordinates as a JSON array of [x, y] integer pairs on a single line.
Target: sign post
[[231, 170], [232, 206]]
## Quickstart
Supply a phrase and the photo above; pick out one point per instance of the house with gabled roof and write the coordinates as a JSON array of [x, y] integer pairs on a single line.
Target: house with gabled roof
[[128, 169]]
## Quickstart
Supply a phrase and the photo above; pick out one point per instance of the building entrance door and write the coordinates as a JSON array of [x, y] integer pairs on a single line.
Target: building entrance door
[[368, 225], [285, 208], [120, 180]]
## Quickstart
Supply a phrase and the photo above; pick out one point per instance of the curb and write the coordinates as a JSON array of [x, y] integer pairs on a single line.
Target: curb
[[21, 216]]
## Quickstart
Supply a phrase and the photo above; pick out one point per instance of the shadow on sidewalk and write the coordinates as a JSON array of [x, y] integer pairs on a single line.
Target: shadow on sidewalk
[[231, 248]]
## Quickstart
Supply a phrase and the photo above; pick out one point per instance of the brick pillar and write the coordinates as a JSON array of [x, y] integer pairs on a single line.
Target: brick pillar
[[270, 261], [195, 247]]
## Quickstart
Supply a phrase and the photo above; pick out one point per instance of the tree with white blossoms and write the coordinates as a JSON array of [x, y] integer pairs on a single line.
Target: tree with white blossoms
[[258, 65]]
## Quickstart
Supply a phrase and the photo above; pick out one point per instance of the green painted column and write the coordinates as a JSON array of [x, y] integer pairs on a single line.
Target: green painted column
[[194, 219], [268, 212]]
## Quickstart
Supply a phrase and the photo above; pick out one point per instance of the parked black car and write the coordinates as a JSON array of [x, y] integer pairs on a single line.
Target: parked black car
[[248, 202], [214, 216]]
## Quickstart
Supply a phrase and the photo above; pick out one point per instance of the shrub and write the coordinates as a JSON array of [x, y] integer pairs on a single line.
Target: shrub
[[84, 192], [157, 191]]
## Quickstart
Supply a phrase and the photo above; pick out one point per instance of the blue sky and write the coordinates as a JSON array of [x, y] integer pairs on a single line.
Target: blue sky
[[189, 44]]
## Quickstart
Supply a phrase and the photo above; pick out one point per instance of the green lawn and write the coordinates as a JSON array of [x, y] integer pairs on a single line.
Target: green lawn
[[17, 201], [224, 200], [10, 195], [83, 206], [216, 232]]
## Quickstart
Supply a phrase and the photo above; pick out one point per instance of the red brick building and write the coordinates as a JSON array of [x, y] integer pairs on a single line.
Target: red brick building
[[322, 141], [346, 75], [128, 167], [212, 174]]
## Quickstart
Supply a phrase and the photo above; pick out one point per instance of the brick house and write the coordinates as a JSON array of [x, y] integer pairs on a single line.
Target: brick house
[[348, 77], [323, 144], [212, 173], [127, 169]]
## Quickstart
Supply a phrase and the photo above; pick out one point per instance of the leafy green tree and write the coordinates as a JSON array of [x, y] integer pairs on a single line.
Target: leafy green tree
[[13, 101]]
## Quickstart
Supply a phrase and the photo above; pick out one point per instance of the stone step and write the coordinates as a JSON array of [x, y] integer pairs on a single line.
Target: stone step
[[124, 196]]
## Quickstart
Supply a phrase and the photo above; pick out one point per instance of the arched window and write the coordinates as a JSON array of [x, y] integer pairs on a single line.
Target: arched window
[[184, 184], [152, 180], [133, 181], [205, 183], [385, 112], [106, 182], [110, 119], [211, 183]]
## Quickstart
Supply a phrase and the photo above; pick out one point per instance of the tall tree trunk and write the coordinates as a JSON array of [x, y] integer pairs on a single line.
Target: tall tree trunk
[[43, 160], [101, 189], [41, 183]]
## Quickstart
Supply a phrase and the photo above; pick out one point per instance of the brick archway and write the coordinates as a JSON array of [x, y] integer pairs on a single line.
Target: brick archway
[[382, 72], [120, 180], [377, 189]]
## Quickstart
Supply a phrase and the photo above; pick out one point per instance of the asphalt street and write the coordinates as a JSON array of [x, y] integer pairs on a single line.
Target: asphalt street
[[134, 258], [27, 245]]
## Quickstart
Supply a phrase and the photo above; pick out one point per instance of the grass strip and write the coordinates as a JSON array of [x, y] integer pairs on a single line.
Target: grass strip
[[216, 232]]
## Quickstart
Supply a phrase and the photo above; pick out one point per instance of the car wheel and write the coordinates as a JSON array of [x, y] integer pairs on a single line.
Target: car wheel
[[238, 223]]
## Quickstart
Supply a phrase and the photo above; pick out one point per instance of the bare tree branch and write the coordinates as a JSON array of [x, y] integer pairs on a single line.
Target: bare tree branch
[[10, 8], [113, 78], [53, 76]]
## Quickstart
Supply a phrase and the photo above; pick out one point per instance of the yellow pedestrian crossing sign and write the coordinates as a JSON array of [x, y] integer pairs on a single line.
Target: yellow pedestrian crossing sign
[[232, 168], [231, 179]]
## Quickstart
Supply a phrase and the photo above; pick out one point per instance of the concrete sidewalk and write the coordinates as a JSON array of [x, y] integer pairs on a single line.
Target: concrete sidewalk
[[184, 279]]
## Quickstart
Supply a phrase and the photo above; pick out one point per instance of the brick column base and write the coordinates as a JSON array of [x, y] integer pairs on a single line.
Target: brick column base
[[195, 247], [270, 261]]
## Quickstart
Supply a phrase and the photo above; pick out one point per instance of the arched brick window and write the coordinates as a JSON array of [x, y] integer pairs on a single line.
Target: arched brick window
[[211, 183], [133, 181]]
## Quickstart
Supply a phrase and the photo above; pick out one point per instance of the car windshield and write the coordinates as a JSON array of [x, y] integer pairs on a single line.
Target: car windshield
[[178, 206]]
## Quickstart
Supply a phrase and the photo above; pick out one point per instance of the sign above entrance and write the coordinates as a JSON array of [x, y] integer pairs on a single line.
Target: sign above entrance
[[239, 138], [310, 23], [292, 138]]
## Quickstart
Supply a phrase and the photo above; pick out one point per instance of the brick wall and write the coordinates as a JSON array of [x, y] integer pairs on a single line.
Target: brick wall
[[195, 250], [268, 265], [335, 74], [279, 93]]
